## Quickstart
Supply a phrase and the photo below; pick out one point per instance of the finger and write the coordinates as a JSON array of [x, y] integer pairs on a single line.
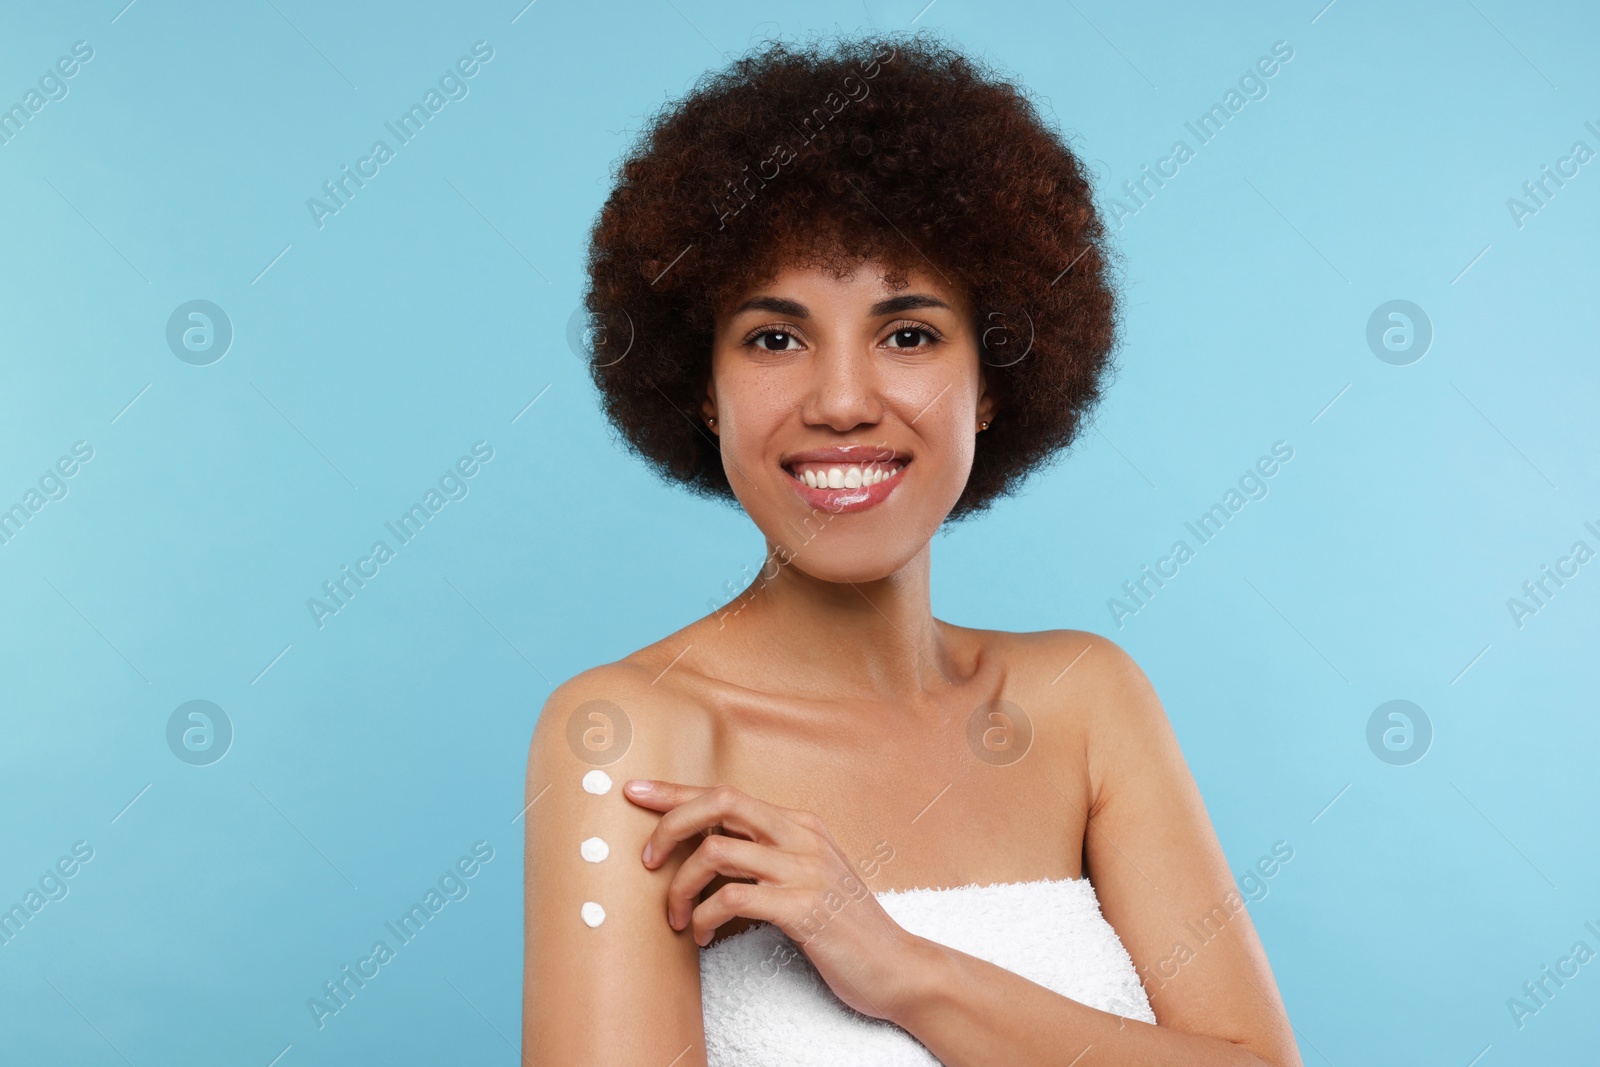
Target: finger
[[730, 856], [721, 806], [763, 903], [657, 795]]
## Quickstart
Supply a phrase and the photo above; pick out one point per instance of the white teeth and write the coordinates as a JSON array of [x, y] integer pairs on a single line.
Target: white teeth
[[855, 476]]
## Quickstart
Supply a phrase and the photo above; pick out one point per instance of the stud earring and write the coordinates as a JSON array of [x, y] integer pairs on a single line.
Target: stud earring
[[984, 425], [712, 422]]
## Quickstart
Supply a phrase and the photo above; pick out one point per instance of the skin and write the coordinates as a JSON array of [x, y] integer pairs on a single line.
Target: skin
[[806, 746]]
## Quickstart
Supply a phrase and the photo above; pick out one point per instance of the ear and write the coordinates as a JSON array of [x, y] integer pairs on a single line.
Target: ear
[[988, 404], [708, 404]]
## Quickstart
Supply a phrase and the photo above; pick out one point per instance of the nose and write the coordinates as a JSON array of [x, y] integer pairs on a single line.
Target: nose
[[843, 389]]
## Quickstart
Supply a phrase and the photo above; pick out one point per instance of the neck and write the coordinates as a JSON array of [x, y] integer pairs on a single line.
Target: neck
[[862, 639]]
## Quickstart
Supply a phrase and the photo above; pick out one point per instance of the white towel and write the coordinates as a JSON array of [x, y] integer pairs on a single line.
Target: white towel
[[765, 1004]]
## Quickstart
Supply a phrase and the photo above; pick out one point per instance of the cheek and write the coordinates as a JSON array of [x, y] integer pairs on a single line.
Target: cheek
[[941, 414], [956, 450], [746, 422]]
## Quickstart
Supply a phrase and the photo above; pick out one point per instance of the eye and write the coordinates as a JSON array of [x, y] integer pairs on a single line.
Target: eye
[[771, 340], [911, 337]]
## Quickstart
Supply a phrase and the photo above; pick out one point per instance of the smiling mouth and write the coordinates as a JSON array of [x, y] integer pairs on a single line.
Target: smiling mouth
[[844, 475], [845, 487]]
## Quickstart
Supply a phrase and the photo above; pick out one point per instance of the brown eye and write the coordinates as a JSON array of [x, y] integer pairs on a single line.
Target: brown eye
[[774, 340], [909, 337]]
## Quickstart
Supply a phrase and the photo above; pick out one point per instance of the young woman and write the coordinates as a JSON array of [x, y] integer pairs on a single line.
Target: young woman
[[862, 289]]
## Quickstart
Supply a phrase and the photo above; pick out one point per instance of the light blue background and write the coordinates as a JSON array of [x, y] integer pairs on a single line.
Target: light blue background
[[428, 313]]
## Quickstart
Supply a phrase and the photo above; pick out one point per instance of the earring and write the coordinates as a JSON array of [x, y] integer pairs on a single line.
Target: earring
[[712, 422], [984, 425]]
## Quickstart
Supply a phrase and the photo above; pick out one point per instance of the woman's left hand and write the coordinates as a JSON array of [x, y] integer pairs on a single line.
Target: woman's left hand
[[801, 882]]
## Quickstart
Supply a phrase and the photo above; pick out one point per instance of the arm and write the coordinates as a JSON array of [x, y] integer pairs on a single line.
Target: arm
[[1156, 866], [628, 990]]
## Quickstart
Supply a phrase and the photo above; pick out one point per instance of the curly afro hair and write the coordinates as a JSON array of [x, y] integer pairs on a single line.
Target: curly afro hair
[[888, 148]]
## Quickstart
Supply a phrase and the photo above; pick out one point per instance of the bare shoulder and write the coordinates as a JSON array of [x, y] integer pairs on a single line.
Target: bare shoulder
[[611, 711], [1084, 668], [597, 944], [1095, 664], [1080, 655], [1123, 717], [1095, 696], [625, 708]]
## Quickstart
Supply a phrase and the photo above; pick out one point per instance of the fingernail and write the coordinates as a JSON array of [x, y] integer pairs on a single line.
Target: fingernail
[[638, 787], [649, 852]]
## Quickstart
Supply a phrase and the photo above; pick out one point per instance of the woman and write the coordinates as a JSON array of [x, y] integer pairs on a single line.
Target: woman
[[862, 289]]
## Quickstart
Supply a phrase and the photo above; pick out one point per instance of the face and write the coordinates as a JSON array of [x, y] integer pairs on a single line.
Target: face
[[847, 413]]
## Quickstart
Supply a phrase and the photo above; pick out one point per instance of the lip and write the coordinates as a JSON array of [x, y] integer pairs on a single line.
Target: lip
[[841, 501], [847, 454]]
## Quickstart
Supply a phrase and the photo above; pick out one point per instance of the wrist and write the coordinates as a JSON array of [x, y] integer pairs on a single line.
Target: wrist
[[927, 976]]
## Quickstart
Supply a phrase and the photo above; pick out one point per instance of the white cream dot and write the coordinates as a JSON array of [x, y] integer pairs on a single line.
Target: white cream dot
[[597, 782], [594, 850], [593, 914]]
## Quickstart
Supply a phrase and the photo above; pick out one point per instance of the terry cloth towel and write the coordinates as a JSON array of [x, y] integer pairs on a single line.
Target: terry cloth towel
[[765, 1004]]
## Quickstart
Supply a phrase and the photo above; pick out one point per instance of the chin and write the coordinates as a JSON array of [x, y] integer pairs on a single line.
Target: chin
[[850, 547], [857, 530], [857, 564]]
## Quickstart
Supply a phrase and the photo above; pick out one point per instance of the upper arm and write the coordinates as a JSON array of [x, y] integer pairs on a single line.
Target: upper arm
[[1161, 876], [627, 990]]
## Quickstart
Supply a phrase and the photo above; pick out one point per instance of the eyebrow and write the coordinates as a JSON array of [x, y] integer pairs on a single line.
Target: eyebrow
[[777, 305], [795, 309]]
